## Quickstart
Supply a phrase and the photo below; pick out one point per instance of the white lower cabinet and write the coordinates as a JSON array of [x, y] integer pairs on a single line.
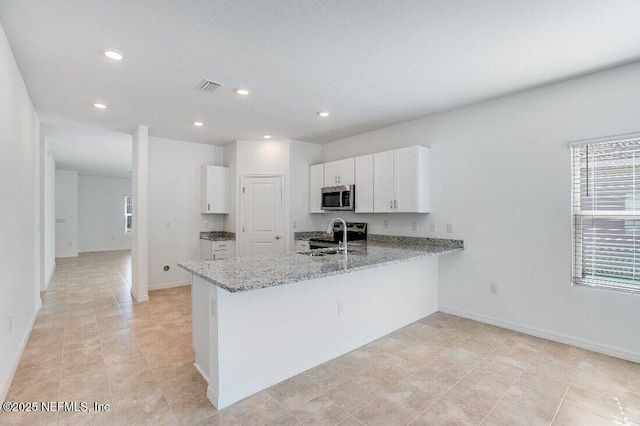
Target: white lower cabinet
[[217, 250]]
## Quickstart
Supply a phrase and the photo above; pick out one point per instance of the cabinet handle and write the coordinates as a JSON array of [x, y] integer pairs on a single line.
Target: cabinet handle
[[208, 206], [395, 204], [339, 179], [390, 204]]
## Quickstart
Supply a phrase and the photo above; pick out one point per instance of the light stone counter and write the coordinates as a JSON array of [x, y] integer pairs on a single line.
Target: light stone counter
[[256, 272]]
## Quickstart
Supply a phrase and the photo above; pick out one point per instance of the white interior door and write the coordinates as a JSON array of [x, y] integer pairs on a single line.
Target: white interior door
[[262, 216]]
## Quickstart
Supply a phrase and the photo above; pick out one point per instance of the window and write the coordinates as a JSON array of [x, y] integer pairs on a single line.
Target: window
[[128, 214], [606, 214]]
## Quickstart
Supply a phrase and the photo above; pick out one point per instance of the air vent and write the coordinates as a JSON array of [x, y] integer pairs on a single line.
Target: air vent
[[208, 86]]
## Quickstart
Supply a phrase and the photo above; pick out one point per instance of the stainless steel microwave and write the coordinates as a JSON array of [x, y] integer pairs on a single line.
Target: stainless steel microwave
[[339, 198]]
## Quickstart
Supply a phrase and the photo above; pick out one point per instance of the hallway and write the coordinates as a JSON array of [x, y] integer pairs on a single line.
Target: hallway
[[92, 343]]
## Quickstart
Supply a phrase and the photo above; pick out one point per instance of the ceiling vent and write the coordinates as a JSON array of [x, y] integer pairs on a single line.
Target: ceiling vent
[[208, 86]]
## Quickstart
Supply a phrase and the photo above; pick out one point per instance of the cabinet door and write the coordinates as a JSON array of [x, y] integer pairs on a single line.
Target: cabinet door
[[346, 172], [382, 182], [364, 184], [215, 193], [405, 179], [331, 171], [316, 182], [205, 250]]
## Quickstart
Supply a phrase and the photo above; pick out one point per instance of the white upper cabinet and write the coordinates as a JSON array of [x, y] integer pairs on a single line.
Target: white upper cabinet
[[316, 182], [214, 195], [401, 180], [383, 182], [364, 184], [341, 172]]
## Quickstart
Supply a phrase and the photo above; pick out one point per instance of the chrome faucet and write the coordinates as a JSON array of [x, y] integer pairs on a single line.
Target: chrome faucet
[[343, 246]]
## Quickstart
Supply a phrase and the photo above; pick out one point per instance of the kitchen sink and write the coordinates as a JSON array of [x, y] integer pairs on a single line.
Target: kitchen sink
[[320, 252]]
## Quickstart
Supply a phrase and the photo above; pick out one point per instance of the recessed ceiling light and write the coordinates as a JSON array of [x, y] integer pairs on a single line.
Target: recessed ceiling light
[[198, 123], [323, 113], [242, 91], [113, 55], [99, 106], [266, 136]]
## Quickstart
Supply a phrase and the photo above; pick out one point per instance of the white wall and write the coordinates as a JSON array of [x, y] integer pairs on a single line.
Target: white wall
[[101, 220], [231, 160], [49, 214], [501, 176], [66, 202], [261, 157], [174, 217], [19, 192], [303, 155]]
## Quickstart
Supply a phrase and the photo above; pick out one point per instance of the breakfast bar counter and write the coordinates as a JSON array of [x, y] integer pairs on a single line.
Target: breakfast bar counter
[[260, 320]]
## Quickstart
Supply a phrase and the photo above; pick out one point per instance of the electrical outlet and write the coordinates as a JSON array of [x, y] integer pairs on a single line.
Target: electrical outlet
[[10, 322], [414, 226], [385, 224], [205, 224], [340, 308], [432, 227], [449, 228], [494, 288]]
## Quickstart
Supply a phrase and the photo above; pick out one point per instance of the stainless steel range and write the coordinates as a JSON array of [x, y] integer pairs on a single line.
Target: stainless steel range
[[356, 235]]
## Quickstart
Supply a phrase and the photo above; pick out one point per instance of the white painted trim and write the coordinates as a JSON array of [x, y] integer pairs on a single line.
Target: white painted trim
[[549, 335], [160, 286], [67, 255], [106, 249], [140, 298], [47, 281], [201, 371], [284, 199], [237, 394], [7, 383]]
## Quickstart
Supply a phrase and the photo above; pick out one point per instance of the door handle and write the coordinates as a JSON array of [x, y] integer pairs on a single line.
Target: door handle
[[278, 237]]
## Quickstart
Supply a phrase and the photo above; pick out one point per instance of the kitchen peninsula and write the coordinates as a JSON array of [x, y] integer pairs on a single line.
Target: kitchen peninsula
[[262, 319]]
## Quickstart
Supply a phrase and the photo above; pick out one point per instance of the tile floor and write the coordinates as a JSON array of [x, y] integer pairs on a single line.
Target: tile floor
[[92, 343]]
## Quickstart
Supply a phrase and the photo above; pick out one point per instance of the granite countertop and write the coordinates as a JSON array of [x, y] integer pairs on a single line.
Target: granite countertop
[[256, 272], [305, 236], [218, 236]]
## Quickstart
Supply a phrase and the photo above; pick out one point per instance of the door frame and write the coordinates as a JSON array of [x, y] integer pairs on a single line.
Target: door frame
[[285, 211]]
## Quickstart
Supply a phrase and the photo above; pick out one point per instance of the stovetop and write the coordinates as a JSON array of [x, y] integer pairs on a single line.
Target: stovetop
[[356, 233]]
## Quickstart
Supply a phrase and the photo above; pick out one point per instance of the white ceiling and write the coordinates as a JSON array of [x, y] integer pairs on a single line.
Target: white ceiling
[[371, 63], [87, 149]]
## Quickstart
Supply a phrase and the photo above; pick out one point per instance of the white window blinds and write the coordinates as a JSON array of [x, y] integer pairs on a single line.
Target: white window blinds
[[606, 214]]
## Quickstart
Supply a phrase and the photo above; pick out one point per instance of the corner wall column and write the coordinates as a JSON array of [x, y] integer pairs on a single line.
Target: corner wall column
[[139, 183]]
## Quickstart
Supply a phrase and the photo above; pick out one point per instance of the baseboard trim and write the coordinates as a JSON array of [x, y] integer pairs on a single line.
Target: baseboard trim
[[162, 286], [239, 393], [47, 281], [103, 249], [7, 382], [549, 335]]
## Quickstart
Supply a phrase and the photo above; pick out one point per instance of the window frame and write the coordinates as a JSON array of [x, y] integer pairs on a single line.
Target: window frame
[[617, 286]]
